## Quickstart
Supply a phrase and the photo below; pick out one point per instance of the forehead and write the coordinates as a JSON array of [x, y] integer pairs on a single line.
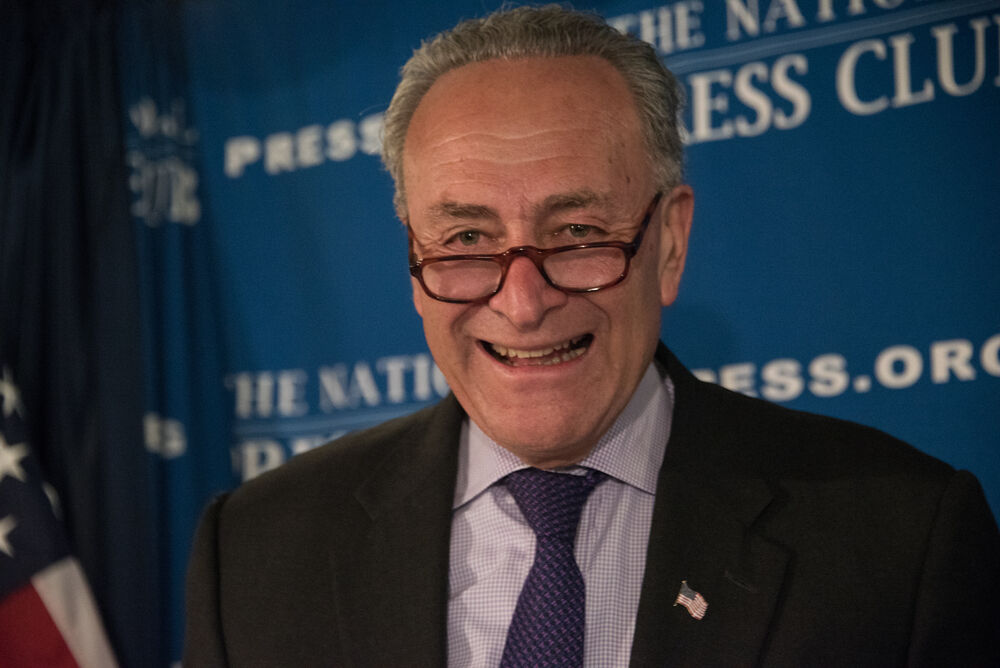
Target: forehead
[[523, 129]]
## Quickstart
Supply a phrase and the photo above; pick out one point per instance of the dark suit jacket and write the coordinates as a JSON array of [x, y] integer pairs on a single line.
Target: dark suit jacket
[[814, 541]]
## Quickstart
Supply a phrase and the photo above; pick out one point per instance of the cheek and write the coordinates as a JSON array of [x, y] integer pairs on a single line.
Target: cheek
[[443, 324], [639, 313], [418, 296]]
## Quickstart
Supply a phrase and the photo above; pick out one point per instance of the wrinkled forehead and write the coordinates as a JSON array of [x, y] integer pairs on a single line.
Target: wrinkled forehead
[[570, 118]]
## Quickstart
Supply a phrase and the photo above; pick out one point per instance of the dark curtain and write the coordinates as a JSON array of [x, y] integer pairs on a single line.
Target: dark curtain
[[69, 316]]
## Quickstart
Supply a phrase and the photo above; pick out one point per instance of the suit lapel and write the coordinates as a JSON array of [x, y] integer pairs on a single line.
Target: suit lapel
[[391, 579], [703, 532], [698, 539]]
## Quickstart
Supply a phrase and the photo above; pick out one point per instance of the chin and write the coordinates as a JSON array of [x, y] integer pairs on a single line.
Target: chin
[[548, 442]]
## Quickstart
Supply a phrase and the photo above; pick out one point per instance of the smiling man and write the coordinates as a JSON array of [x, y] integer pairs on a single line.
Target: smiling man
[[580, 499], [491, 164]]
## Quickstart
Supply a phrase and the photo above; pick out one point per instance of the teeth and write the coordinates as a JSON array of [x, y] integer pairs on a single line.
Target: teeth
[[569, 354], [565, 357]]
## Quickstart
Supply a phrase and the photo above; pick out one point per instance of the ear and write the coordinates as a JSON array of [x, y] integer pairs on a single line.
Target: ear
[[675, 228]]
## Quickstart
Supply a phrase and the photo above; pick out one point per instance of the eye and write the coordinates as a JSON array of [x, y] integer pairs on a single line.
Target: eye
[[468, 237], [579, 231]]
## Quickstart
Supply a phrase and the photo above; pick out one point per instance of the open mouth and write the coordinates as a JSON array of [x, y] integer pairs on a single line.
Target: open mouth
[[563, 352]]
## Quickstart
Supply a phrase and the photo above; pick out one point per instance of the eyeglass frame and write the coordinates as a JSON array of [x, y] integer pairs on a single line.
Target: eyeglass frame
[[537, 256]]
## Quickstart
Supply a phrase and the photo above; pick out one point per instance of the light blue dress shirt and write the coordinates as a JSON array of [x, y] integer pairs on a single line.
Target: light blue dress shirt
[[492, 546]]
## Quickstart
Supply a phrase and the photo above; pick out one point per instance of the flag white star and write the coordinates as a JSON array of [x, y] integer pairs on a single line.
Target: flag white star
[[7, 525], [10, 395], [10, 459]]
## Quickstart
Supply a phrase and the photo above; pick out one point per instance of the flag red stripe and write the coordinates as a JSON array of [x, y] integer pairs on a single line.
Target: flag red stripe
[[28, 636]]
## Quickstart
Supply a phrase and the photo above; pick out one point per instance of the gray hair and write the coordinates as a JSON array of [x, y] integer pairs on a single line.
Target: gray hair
[[548, 31]]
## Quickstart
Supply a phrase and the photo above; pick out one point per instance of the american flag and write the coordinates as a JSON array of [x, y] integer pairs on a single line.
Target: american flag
[[692, 600], [47, 614]]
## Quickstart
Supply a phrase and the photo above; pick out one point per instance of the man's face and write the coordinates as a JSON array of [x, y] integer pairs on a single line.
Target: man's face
[[543, 152]]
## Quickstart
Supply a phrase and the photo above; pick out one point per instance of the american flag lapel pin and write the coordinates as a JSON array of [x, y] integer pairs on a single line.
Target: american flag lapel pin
[[692, 600]]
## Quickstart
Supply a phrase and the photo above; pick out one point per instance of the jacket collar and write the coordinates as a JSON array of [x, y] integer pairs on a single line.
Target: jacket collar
[[391, 580], [704, 532]]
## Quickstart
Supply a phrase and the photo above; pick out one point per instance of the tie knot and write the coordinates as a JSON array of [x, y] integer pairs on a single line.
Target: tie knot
[[552, 502]]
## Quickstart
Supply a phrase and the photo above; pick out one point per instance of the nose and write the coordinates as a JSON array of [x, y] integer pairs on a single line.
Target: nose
[[526, 297]]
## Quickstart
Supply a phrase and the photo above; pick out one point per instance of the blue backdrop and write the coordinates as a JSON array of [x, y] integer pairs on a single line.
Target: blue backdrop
[[844, 256]]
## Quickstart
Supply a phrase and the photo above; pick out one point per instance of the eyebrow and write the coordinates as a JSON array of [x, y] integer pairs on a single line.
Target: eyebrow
[[576, 199], [462, 211]]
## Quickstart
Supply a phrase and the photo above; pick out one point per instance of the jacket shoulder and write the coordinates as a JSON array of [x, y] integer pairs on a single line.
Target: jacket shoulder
[[331, 472], [735, 431]]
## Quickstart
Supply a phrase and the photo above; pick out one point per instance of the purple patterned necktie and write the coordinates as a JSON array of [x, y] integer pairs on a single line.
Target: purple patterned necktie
[[547, 628]]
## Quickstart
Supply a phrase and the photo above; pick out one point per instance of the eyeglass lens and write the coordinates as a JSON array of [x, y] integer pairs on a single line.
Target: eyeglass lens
[[571, 269]]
